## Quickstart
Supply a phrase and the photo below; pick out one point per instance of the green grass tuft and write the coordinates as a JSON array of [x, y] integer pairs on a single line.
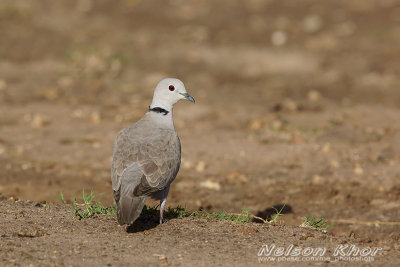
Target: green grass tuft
[[88, 206], [61, 198], [319, 224], [182, 212], [274, 218], [243, 217]]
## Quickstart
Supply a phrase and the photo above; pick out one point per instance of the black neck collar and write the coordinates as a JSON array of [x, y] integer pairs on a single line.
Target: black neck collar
[[159, 110]]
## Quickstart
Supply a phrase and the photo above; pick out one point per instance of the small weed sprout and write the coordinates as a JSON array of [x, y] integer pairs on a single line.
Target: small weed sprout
[[243, 217], [61, 198], [319, 224], [90, 206], [274, 218], [182, 212]]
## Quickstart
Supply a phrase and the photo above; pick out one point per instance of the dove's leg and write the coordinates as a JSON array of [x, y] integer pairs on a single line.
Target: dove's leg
[[162, 205], [163, 201]]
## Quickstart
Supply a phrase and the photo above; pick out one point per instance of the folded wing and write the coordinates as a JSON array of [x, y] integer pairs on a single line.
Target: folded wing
[[143, 164]]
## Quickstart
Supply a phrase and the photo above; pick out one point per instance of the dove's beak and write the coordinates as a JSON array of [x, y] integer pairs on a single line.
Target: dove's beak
[[188, 97]]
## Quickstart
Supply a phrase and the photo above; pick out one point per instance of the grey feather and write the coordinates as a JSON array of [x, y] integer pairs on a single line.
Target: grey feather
[[146, 160]]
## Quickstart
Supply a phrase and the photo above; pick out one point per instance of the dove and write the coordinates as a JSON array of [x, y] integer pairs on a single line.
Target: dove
[[147, 154]]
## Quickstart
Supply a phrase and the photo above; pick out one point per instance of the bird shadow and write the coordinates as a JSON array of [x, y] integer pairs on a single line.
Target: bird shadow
[[143, 223], [149, 218], [270, 212]]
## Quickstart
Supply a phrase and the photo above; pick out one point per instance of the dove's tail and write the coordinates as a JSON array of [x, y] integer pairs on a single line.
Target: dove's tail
[[129, 208]]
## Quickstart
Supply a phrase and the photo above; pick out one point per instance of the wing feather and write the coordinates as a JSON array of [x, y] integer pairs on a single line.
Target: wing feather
[[157, 156]]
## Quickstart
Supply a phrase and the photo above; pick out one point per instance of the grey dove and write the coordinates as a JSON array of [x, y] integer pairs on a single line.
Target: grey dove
[[147, 154]]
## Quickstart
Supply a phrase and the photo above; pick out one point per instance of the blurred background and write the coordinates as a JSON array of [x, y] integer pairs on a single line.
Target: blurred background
[[297, 102]]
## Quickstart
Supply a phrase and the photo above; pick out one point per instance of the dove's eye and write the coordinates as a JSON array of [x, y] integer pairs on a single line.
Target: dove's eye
[[171, 88]]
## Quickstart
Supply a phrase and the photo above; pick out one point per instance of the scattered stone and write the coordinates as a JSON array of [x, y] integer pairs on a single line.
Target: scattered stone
[[334, 164], [186, 164], [317, 179], [26, 166], [2, 150], [201, 165], [312, 23], [276, 125], [290, 105], [357, 169], [49, 93], [95, 118], [161, 257], [326, 148], [278, 38], [313, 96], [96, 144], [236, 177], [209, 184], [77, 113], [38, 121], [255, 125], [3, 85], [30, 232]]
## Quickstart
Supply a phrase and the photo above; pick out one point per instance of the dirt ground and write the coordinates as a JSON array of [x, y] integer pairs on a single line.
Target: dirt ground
[[297, 103], [47, 235]]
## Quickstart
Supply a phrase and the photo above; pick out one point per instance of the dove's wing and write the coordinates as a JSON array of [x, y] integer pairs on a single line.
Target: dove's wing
[[147, 159]]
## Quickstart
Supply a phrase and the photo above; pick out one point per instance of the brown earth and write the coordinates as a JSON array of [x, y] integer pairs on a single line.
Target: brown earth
[[39, 235], [297, 103]]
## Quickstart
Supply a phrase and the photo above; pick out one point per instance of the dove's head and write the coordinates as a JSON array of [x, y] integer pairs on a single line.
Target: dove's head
[[168, 92]]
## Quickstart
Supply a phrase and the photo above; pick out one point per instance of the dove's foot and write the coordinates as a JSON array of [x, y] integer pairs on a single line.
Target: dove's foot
[[163, 220]]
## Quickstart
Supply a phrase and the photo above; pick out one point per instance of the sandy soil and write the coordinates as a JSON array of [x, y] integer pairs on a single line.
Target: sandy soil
[[297, 103]]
